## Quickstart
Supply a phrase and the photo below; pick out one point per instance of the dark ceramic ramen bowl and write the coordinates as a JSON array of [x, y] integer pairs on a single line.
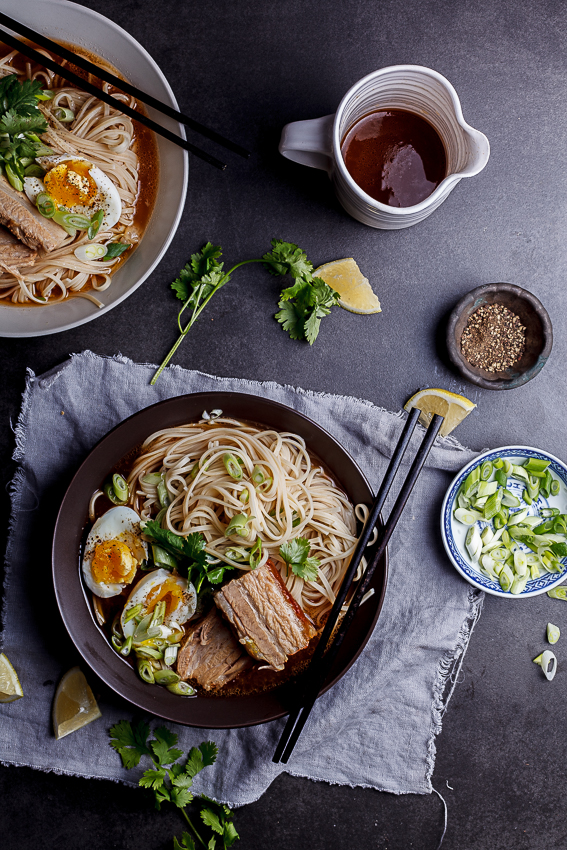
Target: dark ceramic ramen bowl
[[214, 712]]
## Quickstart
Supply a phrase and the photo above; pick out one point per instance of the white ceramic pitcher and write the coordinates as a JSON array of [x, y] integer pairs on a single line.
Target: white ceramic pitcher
[[317, 143]]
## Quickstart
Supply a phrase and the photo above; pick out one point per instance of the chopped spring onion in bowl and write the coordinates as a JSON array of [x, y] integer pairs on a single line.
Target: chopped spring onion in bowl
[[504, 522]]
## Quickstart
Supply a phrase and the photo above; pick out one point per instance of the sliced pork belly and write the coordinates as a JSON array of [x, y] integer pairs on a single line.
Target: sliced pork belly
[[210, 654], [13, 252], [26, 222], [265, 616]]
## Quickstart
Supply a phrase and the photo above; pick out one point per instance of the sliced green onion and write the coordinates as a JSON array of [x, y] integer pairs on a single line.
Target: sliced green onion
[[120, 486], [471, 482], [45, 94], [519, 584], [506, 578], [132, 612], [509, 500], [534, 571], [152, 478], [90, 252], [548, 664], [486, 535], [162, 558], [256, 554], [544, 527], [13, 177], [108, 491], [467, 517], [526, 497], [498, 463], [182, 689], [46, 205], [34, 170], [500, 477], [237, 525], [546, 484], [555, 487], [518, 517], [558, 592], [493, 505], [560, 526], [232, 466], [158, 614], [508, 467], [95, 223], [141, 629], [546, 513], [506, 538], [462, 501], [258, 475], [538, 659], [520, 473], [238, 554], [70, 219], [498, 521], [125, 651], [149, 652], [473, 543], [553, 633], [520, 563], [485, 470], [166, 677], [487, 488], [559, 549], [64, 115], [535, 465], [480, 503], [244, 496], [163, 495], [170, 654], [116, 642], [146, 671], [196, 469]]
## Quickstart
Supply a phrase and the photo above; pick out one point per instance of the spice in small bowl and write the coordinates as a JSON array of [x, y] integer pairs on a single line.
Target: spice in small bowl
[[494, 338], [499, 336]]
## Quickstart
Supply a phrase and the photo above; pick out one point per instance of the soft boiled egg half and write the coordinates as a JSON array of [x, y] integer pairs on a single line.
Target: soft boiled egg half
[[113, 552], [161, 586], [76, 184]]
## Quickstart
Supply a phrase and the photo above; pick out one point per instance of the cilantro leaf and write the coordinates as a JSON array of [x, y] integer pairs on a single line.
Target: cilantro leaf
[[287, 258], [182, 285], [14, 123], [296, 554], [182, 780], [210, 819], [180, 796], [230, 834], [115, 249], [212, 843], [153, 778], [291, 319], [187, 842], [209, 751], [130, 740], [191, 550], [194, 763], [163, 753]]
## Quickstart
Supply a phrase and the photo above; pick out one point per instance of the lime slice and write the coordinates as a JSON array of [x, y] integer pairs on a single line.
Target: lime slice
[[10, 688], [356, 294], [74, 705], [450, 405]]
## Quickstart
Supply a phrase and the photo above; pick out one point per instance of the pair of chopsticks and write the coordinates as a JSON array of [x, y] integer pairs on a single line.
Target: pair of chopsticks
[[323, 657], [108, 77]]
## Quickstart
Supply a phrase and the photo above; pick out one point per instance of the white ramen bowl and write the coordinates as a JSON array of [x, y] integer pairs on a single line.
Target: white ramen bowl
[[68, 22]]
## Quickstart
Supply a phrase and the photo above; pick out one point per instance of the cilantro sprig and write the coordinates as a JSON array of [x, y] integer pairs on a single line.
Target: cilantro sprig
[[170, 779], [302, 306], [195, 562], [20, 122], [296, 554]]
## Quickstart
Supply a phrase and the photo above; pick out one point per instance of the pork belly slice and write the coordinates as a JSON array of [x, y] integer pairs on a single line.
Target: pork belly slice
[[265, 616], [210, 654], [13, 252], [26, 222]]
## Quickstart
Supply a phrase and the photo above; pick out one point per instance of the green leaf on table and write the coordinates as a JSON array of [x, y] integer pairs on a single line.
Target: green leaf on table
[[130, 740]]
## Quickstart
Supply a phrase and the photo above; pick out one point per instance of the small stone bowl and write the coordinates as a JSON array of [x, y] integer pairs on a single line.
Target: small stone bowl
[[539, 335]]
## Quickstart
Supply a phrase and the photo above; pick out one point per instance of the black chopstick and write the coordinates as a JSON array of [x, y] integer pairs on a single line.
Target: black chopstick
[[322, 661], [71, 77], [108, 77]]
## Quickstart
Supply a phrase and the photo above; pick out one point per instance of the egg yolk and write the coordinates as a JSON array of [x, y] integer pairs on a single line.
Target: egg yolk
[[168, 591], [113, 563], [70, 184]]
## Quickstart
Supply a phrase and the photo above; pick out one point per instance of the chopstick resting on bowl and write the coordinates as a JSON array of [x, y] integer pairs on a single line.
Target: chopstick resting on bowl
[[107, 76], [324, 656]]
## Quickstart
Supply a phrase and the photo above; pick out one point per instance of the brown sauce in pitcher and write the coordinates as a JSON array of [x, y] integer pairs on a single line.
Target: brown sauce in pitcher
[[395, 156]]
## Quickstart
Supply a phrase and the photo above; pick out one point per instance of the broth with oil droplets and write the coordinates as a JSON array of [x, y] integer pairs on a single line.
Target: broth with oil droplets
[[395, 156]]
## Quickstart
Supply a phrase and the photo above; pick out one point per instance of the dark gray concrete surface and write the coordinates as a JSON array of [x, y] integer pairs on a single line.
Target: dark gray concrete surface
[[247, 68]]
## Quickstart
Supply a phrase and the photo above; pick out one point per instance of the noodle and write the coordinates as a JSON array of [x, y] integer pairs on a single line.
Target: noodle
[[104, 136], [300, 500]]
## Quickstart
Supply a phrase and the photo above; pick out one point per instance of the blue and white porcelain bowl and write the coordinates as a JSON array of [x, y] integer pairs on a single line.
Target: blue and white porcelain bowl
[[454, 532]]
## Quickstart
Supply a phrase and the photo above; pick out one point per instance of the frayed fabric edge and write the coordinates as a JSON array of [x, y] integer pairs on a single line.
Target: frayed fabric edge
[[448, 671], [15, 489], [61, 772]]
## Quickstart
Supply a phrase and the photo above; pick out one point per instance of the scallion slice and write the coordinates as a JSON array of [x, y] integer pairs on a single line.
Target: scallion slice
[[485, 470], [64, 115], [232, 466], [467, 516], [555, 487], [46, 205]]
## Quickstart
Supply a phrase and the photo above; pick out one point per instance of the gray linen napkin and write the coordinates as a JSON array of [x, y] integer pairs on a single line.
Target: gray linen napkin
[[376, 728]]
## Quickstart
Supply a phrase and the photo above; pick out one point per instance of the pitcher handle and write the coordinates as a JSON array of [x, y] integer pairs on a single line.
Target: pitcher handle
[[309, 142]]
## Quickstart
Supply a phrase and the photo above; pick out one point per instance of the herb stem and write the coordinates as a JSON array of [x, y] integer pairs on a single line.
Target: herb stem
[[186, 816], [195, 315]]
